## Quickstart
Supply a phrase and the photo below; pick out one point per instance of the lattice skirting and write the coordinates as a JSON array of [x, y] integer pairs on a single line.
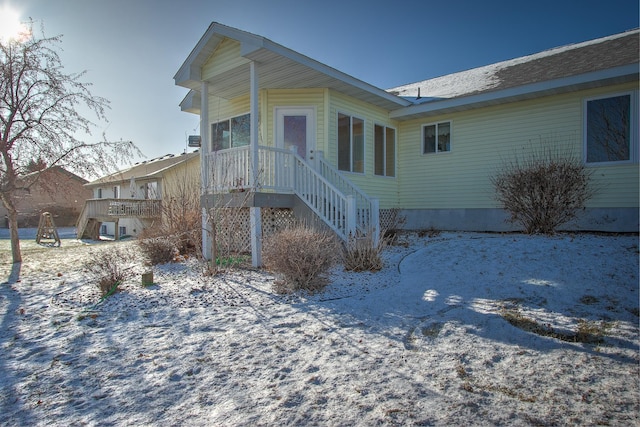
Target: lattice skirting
[[390, 219], [233, 227]]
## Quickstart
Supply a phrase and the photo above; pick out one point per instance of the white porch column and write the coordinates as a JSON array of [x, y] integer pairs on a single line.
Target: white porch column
[[255, 214], [253, 136], [351, 217], [204, 166], [375, 222]]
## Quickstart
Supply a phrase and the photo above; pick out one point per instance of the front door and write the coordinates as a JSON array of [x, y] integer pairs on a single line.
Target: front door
[[295, 129]]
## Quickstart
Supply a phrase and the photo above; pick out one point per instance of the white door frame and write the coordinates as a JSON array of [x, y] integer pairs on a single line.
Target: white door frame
[[310, 113]]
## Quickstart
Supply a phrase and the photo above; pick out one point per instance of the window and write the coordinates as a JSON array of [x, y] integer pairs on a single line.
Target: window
[[234, 132], [350, 143], [103, 229], [384, 151], [116, 192], [609, 127], [99, 193], [123, 231], [151, 190], [436, 138]]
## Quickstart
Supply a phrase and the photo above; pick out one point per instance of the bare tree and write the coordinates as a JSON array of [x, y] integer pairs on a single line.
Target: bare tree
[[40, 121]]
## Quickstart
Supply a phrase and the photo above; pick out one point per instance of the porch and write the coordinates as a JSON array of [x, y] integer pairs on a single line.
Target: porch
[[97, 211], [281, 178]]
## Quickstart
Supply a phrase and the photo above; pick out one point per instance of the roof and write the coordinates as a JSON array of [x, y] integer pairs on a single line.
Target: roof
[[278, 68], [54, 169], [601, 61], [146, 170]]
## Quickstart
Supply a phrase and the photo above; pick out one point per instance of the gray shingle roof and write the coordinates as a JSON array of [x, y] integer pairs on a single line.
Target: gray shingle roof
[[595, 55]]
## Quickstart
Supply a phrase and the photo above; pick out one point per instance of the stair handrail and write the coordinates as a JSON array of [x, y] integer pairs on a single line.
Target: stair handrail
[[364, 204]]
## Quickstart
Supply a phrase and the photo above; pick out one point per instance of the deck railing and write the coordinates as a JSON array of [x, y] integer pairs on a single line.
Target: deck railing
[[326, 192], [113, 209], [123, 208]]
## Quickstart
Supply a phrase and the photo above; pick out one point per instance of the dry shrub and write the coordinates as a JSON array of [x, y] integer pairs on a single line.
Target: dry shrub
[[300, 255], [543, 191], [158, 250], [361, 254], [181, 222], [110, 267]]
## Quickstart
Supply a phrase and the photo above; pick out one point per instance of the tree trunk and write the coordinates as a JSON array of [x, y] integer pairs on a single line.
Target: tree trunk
[[12, 214]]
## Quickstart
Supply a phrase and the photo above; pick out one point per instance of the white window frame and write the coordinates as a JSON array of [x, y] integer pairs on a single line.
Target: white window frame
[[228, 120], [351, 145], [384, 151], [633, 124], [436, 124]]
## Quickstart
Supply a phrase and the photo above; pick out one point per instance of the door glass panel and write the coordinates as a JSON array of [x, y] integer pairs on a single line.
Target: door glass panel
[[295, 134]]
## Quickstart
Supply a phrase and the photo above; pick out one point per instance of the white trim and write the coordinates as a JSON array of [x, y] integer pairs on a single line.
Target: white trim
[[309, 111], [364, 143], [395, 149], [633, 128], [436, 125]]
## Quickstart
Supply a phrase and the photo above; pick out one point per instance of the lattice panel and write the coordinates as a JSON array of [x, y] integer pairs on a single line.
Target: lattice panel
[[233, 226], [390, 219], [274, 220], [233, 233]]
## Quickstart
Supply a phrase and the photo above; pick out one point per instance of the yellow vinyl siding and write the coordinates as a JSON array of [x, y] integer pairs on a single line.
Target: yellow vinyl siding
[[295, 98], [224, 109], [483, 141], [383, 188], [225, 58]]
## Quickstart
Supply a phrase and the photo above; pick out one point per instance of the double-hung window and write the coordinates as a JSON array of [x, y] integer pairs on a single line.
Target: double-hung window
[[609, 129], [436, 137], [350, 143], [384, 151], [230, 133]]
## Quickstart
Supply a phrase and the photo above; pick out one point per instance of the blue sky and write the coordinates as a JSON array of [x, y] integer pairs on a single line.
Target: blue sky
[[131, 49]]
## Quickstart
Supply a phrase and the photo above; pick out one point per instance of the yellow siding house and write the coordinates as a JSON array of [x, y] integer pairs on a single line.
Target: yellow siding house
[[292, 134]]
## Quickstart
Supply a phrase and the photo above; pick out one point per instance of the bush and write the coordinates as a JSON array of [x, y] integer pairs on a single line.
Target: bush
[[544, 191], [158, 250], [300, 255], [110, 267], [361, 254]]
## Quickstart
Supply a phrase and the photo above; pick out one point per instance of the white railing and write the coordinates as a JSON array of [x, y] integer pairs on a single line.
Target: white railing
[[366, 208], [327, 193]]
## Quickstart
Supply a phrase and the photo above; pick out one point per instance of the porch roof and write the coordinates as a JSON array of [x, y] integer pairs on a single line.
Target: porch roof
[[278, 68]]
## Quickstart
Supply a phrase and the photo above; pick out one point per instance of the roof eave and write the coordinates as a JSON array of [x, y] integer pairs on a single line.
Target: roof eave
[[189, 75], [622, 74]]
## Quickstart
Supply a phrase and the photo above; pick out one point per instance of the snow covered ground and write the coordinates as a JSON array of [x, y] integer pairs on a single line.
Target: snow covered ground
[[425, 341]]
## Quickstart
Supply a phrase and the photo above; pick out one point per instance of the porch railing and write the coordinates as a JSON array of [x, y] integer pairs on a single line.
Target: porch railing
[[332, 197]]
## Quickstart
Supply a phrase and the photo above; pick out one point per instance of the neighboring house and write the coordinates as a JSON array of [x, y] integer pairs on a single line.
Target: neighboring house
[[54, 190], [309, 138], [128, 201]]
